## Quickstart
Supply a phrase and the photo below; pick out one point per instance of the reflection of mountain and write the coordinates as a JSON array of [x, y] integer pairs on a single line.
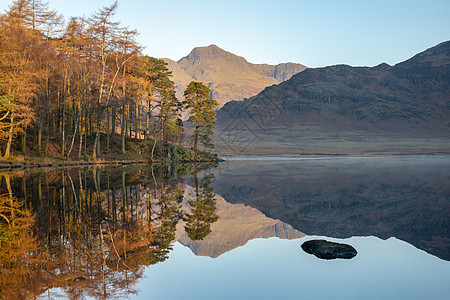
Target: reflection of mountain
[[237, 225], [408, 198]]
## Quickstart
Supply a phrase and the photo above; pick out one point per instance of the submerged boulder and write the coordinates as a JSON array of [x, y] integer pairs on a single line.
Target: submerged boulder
[[328, 250]]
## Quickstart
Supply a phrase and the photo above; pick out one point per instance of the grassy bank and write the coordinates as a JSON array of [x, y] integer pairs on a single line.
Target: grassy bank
[[137, 151]]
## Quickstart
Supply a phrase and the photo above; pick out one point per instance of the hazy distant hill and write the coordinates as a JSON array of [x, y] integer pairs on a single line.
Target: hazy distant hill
[[341, 102], [230, 77], [180, 77]]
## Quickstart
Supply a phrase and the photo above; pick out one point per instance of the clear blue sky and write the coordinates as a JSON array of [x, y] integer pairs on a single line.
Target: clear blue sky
[[312, 32]]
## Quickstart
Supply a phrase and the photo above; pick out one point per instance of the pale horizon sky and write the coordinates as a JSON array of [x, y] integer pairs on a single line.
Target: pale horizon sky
[[314, 33]]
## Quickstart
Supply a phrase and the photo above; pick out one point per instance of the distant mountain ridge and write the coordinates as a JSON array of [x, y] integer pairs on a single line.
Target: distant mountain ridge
[[409, 99], [230, 77]]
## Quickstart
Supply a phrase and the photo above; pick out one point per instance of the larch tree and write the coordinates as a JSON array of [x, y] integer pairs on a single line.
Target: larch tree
[[103, 32], [19, 52], [114, 48], [79, 80]]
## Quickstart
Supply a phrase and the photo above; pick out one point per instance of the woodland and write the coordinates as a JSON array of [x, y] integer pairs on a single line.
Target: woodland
[[83, 89]]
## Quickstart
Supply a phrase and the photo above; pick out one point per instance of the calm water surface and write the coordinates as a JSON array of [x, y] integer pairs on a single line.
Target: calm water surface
[[229, 232]]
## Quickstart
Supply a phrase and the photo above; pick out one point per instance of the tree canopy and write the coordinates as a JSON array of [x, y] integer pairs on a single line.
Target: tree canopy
[[202, 112]]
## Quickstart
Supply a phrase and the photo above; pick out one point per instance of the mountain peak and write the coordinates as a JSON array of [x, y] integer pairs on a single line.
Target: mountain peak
[[229, 76], [210, 48], [214, 46], [211, 52]]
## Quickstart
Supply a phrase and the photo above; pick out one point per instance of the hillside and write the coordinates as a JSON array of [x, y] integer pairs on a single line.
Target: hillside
[[340, 108], [180, 78], [230, 77]]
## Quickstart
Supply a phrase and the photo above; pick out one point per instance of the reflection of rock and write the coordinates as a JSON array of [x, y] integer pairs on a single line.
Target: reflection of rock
[[237, 225], [407, 198], [328, 250]]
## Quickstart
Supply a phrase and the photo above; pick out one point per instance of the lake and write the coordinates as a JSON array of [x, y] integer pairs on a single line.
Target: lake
[[228, 231]]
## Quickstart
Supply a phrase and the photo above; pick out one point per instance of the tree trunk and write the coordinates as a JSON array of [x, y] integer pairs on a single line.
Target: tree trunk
[[147, 121], [139, 126], [39, 138], [81, 140], [113, 125], [10, 136], [153, 149], [107, 130], [123, 128], [23, 140], [81, 131], [63, 145], [96, 150], [48, 133], [196, 137], [90, 123], [136, 117], [128, 123], [73, 139]]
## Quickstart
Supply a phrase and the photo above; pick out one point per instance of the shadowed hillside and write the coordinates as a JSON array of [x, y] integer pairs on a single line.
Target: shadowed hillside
[[344, 108]]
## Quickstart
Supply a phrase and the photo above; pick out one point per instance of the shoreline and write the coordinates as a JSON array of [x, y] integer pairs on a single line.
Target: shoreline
[[327, 155], [13, 166], [324, 157]]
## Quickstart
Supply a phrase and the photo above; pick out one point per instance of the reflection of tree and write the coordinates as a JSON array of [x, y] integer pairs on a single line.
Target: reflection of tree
[[16, 245], [89, 232], [203, 209]]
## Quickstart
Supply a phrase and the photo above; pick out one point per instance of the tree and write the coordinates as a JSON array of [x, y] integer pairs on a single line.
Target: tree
[[202, 112], [114, 47], [72, 83], [149, 82], [6, 108], [19, 51], [103, 31], [163, 97]]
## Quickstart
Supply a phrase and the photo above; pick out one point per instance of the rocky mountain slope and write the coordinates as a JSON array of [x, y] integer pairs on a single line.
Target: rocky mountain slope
[[411, 98], [230, 77]]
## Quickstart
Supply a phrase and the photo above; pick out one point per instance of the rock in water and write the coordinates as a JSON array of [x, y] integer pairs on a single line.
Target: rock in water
[[328, 250]]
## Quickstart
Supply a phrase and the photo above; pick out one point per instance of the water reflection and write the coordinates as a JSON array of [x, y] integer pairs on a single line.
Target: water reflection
[[279, 269], [203, 209], [83, 233], [91, 231], [237, 224], [403, 197]]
